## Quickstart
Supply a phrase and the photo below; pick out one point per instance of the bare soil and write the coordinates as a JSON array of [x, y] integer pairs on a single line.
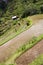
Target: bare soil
[[30, 55], [11, 46]]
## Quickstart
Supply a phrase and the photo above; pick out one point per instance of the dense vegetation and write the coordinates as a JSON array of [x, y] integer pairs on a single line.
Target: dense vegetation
[[20, 8]]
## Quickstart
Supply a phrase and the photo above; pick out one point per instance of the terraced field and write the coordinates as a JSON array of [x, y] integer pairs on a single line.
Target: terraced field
[[15, 28], [9, 48], [31, 54]]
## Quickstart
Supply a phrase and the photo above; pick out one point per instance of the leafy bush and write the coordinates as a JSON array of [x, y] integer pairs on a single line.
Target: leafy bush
[[41, 9], [29, 12], [0, 21]]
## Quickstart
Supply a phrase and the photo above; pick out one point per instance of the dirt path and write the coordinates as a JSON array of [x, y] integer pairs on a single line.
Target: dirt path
[[11, 46], [30, 55]]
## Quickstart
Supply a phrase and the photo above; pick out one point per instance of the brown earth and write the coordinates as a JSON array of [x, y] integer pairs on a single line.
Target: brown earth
[[30, 55], [11, 46]]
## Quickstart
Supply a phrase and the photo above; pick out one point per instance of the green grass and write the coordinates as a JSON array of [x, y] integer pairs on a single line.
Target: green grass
[[38, 61], [11, 33], [24, 48]]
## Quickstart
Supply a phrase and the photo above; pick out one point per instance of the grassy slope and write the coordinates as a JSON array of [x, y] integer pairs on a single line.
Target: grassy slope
[[24, 48], [15, 30]]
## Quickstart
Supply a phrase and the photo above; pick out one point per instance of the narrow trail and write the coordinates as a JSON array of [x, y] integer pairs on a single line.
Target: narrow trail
[[30, 55], [11, 46]]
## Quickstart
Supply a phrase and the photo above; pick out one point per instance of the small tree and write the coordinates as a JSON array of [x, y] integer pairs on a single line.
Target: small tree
[[25, 13]]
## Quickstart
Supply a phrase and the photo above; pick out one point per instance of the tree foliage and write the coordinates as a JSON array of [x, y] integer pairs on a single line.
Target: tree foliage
[[3, 5]]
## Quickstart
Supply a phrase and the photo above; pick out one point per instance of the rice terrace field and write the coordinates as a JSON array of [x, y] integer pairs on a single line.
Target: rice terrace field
[[29, 45], [21, 32]]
